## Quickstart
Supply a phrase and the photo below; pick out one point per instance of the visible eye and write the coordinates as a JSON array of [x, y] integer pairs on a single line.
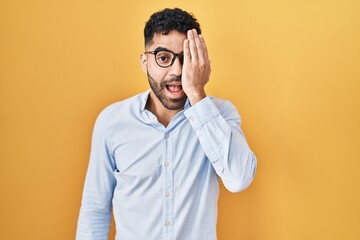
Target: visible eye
[[164, 57]]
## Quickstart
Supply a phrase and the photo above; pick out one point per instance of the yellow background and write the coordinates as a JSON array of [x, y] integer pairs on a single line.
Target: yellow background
[[291, 67]]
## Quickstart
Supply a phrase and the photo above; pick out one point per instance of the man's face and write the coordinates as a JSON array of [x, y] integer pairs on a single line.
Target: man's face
[[165, 83]]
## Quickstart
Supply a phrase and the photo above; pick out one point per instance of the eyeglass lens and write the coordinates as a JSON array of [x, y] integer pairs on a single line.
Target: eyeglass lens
[[165, 58]]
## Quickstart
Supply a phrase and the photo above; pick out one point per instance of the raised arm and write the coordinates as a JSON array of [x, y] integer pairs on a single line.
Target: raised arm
[[216, 122]]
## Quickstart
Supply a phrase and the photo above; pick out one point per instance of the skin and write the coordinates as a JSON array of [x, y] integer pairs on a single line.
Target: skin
[[193, 75]]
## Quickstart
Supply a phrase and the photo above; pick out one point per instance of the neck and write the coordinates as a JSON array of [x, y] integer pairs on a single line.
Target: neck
[[163, 114]]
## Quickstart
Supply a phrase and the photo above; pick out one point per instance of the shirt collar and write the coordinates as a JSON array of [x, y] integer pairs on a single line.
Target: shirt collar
[[144, 97]]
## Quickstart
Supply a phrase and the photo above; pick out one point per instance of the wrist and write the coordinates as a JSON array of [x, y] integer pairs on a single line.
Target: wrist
[[196, 97]]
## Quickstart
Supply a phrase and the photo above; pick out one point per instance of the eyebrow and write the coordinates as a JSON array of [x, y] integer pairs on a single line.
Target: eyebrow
[[165, 49], [161, 49]]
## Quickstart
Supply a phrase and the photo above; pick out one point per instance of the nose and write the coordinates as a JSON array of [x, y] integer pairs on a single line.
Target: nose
[[176, 67]]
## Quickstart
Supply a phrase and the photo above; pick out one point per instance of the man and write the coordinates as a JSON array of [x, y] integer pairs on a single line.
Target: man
[[156, 157]]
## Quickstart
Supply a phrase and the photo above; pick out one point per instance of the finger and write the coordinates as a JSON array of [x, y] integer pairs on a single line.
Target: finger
[[206, 55], [187, 57], [192, 46], [199, 47]]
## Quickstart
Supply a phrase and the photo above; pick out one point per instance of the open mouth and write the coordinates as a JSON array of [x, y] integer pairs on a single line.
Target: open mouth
[[174, 89]]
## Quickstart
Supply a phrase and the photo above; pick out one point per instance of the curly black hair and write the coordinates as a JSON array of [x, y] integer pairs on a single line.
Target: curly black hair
[[167, 20]]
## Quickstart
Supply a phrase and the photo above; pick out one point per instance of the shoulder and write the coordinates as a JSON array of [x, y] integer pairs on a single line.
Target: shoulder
[[121, 109]]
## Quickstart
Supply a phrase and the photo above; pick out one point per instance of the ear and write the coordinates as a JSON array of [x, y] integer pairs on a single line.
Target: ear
[[143, 62]]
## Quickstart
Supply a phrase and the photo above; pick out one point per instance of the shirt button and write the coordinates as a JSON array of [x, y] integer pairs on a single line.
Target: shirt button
[[166, 135], [167, 194], [166, 164], [167, 223], [191, 118]]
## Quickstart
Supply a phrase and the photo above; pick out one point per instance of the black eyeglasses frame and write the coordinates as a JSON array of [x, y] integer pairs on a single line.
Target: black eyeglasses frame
[[179, 55]]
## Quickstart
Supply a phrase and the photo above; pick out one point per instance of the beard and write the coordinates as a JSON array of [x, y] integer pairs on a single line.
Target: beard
[[159, 90]]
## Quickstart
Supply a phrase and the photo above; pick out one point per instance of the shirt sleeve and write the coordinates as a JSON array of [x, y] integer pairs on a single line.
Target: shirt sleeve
[[96, 206], [223, 142]]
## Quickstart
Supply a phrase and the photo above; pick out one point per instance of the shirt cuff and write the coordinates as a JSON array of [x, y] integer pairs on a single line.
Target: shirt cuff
[[201, 113]]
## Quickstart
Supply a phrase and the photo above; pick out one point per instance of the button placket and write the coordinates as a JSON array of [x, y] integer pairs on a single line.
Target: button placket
[[168, 188]]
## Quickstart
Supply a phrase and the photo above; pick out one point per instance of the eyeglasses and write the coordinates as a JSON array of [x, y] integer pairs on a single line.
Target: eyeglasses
[[165, 58]]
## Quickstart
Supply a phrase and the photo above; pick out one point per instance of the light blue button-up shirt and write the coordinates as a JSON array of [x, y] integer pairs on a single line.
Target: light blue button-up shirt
[[162, 182]]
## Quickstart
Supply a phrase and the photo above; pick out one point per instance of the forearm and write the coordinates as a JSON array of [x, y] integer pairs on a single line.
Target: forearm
[[94, 221], [96, 206], [224, 144]]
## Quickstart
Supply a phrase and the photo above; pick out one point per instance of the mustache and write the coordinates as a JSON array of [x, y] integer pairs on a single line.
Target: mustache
[[174, 79]]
